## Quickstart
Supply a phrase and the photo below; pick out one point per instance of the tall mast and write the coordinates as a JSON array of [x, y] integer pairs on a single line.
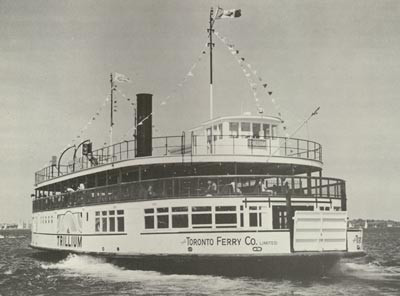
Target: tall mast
[[112, 108], [211, 45]]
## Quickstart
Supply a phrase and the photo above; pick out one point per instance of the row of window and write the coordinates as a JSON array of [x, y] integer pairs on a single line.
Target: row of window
[[200, 217], [46, 219], [110, 221]]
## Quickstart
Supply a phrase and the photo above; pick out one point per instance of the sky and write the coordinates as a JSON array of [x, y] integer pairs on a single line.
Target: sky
[[344, 56]]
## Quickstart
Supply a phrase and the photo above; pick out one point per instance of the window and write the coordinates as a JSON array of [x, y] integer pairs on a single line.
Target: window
[[120, 221], [180, 217], [256, 130], [245, 126], [234, 129], [111, 220], [97, 222], [162, 218], [255, 217], [274, 131], [149, 218], [220, 130], [121, 224], [108, 221], [266, 130], [104, 221], [225, 216], [201, 217]]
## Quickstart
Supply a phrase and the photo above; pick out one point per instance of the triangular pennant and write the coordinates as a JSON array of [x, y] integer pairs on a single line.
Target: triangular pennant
[[265, 85], [270, 92]]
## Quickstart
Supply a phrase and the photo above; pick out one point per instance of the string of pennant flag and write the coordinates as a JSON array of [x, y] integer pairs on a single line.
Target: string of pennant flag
[[253, 77]]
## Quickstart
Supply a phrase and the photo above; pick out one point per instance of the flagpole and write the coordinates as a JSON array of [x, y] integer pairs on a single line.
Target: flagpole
[[211, 45], [112, 108]]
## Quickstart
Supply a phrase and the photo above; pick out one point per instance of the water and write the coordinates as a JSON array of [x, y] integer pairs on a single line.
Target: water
[[27, 272]]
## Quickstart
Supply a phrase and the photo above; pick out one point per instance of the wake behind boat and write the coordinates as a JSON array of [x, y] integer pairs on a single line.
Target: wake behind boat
[[231, 192]]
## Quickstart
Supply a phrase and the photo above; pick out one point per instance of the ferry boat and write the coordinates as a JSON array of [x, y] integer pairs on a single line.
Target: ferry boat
[[232, 194]]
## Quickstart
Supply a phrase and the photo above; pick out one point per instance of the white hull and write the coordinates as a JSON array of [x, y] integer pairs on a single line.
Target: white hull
[[90, 230]]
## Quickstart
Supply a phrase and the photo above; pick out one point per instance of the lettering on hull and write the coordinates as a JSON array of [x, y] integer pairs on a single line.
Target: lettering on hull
[[221, 241], [69, 241]]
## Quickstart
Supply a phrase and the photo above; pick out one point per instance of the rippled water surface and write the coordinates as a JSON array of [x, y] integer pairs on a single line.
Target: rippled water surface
[[24, 271]]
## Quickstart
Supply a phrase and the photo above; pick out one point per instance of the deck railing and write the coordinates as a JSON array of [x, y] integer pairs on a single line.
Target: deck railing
[[193, 145], [272, 188]]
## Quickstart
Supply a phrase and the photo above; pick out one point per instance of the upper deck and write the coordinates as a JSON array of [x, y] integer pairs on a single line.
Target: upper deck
[[247, 139]]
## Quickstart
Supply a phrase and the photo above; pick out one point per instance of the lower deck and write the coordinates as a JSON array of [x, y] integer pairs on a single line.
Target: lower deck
[[196, 226]]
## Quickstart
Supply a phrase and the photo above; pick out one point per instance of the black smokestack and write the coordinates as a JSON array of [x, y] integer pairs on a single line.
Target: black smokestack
[[144, 125]]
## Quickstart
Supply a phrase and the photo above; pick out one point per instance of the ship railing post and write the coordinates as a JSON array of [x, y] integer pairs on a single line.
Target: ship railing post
[[289, 211]]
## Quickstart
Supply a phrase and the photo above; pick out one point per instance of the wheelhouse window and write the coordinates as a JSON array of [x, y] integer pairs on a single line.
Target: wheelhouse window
[[256, 130], [201, 217], [274, 131], [245, 126], [266, 130], [234, 129]]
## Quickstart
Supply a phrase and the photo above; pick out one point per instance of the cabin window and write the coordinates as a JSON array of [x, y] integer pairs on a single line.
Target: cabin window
[[245, 126], [256, 130], [149, 218], [162, 218], [225, 216], [255, 219], [201, 217], [104, 221], [120, 220], [121, 224], [97, 222], [111, 220], [180, 217], [112, 224], [234, 129]]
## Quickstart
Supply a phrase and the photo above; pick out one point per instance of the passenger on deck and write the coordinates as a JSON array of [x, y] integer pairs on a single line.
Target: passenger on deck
[[150, 192], [260, 187], [235, 188], [212, 188]]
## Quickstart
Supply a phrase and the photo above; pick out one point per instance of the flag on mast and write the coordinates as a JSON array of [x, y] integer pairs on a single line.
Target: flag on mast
[[118, 77], [231, 13]]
